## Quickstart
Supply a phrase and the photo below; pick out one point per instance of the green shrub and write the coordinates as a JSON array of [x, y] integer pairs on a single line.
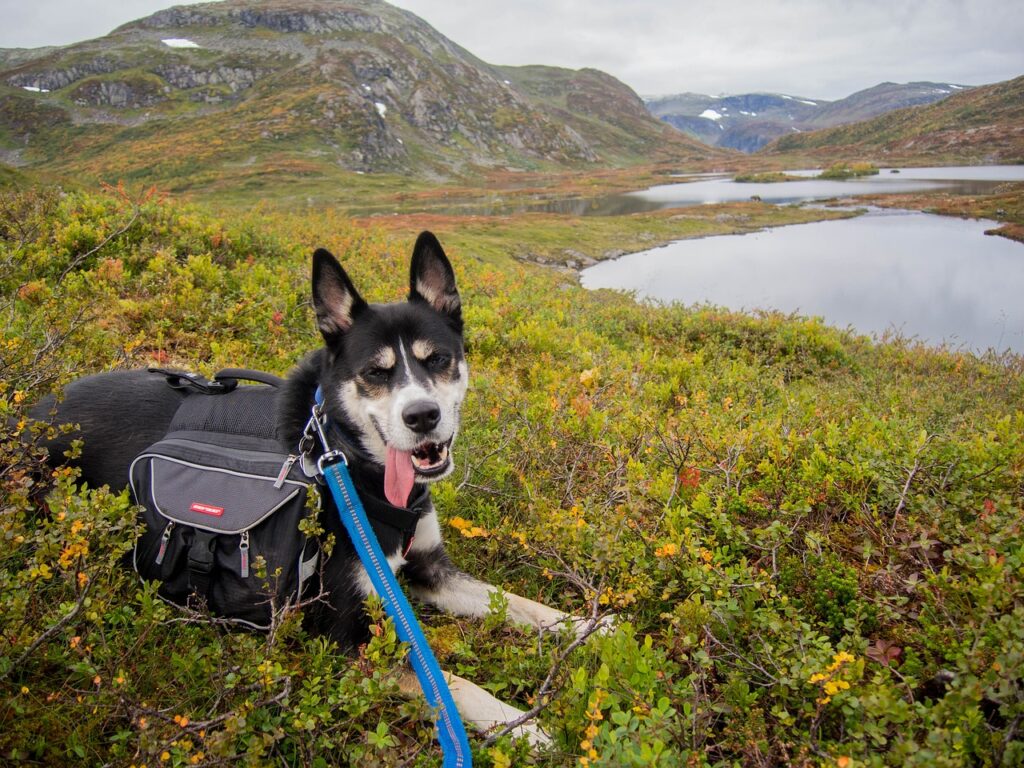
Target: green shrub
[[798, 529]]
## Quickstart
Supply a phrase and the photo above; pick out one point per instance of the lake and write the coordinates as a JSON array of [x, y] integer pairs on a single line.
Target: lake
[[939, 279], [704, 189], [967, 180]]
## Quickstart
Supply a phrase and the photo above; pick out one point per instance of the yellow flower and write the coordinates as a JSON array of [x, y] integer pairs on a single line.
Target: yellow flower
[[666, 550], [832, 687], [459, 523], [839, 659], [165, 756], [24, 690]]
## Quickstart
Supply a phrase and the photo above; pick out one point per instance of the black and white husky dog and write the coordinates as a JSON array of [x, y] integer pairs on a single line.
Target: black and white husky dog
[[393, 378]]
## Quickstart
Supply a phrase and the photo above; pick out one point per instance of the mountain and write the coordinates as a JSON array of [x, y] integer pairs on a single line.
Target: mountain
[[980, 125], [251, 90], [750, 121]]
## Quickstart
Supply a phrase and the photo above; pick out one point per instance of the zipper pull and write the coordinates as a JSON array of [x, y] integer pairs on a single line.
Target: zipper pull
[[165, 539], [285, 469], [243, 549]]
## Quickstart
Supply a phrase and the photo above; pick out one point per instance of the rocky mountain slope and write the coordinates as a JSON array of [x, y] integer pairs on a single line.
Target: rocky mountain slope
[[258, 89], [748, 122], [980, 125]]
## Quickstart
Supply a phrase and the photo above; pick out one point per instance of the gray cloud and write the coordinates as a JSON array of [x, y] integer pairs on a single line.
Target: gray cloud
[[814, 48]]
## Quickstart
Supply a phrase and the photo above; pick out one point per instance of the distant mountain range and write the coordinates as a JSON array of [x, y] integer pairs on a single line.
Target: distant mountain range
[[982, 125], [750, 121], [246, 91]]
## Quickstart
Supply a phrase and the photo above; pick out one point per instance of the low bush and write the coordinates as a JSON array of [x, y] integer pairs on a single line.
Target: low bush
[[813, 543]]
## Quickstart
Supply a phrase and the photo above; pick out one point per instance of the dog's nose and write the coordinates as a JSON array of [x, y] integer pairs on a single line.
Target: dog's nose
[[421, 416]]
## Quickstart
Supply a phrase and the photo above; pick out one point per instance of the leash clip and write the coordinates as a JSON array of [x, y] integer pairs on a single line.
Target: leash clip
[[315, 431]]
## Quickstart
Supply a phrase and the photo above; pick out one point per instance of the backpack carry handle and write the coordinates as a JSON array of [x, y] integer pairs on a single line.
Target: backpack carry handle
[[230, 377], [224, 380], [186, 380]]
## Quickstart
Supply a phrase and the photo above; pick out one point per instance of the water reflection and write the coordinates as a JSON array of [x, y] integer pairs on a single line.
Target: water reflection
[[936, 278]]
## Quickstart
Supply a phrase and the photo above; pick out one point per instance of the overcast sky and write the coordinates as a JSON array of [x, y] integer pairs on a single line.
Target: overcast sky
[[815, 48]]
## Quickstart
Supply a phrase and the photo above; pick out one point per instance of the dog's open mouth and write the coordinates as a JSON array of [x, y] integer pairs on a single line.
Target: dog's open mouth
[[403, 468], [430, 458]]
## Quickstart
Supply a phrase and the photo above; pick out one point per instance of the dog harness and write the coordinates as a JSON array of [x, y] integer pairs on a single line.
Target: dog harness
[[333, 466]]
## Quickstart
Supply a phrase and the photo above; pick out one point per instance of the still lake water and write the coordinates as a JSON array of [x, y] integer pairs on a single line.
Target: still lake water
[[707, 188], [936, 278], [968, 180]]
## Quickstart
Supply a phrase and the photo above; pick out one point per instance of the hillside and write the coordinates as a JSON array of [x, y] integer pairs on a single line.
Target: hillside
[[749, 121], [980, 125], [250, 91], [596, 105]]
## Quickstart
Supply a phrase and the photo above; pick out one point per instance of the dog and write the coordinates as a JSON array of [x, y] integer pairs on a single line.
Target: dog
[[393, 378]]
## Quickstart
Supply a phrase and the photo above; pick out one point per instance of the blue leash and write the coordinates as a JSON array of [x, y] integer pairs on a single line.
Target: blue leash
[[450, 731]]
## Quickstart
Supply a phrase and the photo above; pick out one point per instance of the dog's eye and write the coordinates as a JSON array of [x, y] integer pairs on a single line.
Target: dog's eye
[[377, 375], [437, 361]]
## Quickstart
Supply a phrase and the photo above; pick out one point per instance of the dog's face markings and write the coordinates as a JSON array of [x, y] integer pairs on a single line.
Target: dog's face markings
[[397, 371]]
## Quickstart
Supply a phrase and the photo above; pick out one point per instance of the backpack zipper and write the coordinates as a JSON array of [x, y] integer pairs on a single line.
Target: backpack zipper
[[285, 469], [243, 549], [165, 539]]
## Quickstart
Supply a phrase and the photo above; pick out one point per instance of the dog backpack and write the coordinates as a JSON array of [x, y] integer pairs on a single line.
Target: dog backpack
[[222, 503]]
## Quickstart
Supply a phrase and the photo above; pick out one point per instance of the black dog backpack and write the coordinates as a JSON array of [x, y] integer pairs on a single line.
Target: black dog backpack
[[222, 503]]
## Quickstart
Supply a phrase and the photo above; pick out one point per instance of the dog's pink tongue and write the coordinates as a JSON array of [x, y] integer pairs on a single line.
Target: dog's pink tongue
[[398, 477]]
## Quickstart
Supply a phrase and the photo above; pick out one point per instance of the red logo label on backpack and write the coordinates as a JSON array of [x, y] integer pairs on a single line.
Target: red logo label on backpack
[[206, 509]]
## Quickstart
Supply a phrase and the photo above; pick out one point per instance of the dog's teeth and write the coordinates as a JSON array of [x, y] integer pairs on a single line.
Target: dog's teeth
[[429, 456]]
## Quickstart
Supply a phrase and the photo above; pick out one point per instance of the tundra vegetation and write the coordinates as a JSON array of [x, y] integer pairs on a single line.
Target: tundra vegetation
[[813, 542], [843, 171]]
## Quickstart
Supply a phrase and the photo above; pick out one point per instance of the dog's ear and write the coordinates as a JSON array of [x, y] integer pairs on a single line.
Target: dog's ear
[[432, 279], [335, 299]]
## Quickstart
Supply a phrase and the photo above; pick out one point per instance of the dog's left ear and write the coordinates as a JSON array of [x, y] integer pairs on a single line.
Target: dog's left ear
[[432, 279]]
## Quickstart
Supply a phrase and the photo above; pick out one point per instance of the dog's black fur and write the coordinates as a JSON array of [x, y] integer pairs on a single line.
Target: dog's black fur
[[120, 414]]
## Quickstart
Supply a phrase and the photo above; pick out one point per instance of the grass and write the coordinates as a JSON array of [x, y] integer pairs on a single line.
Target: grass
[[766, 177], [843, 171], [813, 541]]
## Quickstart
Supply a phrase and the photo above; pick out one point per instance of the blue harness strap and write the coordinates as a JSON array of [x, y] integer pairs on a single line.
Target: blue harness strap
[[450, 731]]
